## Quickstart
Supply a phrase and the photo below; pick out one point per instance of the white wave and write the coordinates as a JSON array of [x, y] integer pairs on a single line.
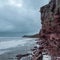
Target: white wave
[[46, 57], [8, 42], [13, 43]]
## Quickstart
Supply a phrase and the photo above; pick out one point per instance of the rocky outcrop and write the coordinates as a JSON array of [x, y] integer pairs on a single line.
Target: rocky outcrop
[[19, 56], [50, 18], [32, 36], [50, 33]]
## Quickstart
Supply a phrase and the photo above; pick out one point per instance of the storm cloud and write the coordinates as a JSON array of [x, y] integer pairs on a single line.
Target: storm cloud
[[20, 15]]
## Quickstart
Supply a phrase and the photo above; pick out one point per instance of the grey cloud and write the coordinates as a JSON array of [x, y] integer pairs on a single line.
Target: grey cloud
[[24, 19]]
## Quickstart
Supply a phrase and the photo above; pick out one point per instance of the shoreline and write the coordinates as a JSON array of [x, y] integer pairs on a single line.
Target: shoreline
[[20, 49]]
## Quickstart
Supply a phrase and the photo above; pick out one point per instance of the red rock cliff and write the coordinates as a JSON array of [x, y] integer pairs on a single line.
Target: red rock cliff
[[50, 18], [50, 33]]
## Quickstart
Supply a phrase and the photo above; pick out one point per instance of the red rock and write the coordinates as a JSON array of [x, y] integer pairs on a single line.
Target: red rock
[[50, 31]]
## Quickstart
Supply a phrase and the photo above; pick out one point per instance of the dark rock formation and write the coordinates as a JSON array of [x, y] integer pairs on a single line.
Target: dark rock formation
[[32, 36], [19, 56], [50, 32]]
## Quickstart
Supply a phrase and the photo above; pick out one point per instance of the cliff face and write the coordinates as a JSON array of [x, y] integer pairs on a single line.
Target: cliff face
[[50, 18], [49, 41]]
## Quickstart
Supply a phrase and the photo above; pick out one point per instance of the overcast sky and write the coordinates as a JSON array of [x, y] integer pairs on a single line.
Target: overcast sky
[[20, 15]]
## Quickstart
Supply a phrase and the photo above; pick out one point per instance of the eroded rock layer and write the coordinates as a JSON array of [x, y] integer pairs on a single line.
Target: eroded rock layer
[[49, 41]]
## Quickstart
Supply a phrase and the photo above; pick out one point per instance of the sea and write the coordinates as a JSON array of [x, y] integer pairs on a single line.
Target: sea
[[14, 44]]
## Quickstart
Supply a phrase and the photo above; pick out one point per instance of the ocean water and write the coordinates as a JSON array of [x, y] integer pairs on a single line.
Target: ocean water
[[9, 43], [12, 46], [11, 34]]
